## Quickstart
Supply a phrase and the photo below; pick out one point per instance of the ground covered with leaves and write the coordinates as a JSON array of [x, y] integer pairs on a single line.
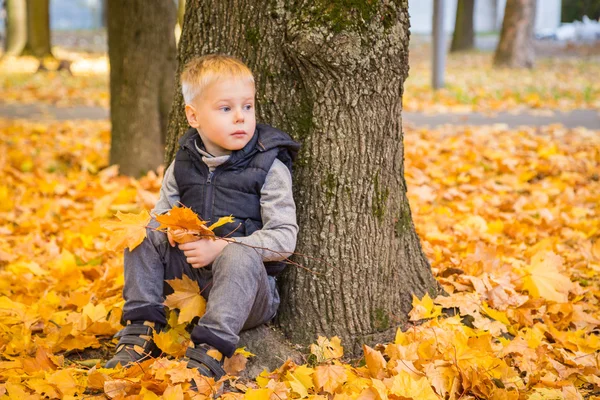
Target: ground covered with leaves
[[510, 220], [85, 85], [474, 85]]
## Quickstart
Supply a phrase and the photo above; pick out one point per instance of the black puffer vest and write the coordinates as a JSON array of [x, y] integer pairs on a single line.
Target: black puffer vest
[[233, 188]]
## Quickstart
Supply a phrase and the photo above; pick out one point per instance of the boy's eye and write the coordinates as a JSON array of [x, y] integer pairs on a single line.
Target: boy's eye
[[225, 108], [248, 107]]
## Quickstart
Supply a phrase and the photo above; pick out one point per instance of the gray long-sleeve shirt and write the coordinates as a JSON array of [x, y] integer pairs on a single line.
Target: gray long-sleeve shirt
[[277, 238]]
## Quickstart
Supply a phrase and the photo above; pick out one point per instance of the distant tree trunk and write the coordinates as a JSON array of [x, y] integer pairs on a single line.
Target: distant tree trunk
[[515, 48], [142, 55], [38, 28], [331, 74], [16, 27], [464, 34]]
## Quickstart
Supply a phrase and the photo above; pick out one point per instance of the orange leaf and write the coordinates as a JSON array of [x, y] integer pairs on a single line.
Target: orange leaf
[[180, 218], [129, 232], [329, 377], [185, 225]]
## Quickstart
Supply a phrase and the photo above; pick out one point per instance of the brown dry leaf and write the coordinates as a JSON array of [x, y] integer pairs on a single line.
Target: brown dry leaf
[[235, 364], [186, 298]]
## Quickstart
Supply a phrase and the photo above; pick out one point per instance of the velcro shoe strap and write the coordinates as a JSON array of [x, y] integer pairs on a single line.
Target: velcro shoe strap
[[134, 330], [203, 369], [134, 340], [200, 356]]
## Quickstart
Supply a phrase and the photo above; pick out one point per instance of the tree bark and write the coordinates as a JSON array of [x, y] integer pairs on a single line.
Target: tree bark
[[331, 74], [515, 49], [142, 54], [464, 34], [16, 27]]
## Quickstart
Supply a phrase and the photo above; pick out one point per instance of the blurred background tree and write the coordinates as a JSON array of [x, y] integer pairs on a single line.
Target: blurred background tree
[[463, 37], [28, 28], [515, 48], [142, 54]]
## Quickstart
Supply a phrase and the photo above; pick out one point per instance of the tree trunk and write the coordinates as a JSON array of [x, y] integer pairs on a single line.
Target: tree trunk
[[464, 35], [16, 27], [331, 74], [38, 29], [141, 50], [515, 48]]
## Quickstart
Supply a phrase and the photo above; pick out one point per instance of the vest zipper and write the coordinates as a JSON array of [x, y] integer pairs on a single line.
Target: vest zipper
[[208, 199]]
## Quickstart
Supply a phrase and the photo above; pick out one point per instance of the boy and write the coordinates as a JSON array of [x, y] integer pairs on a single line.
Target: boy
[[226, 165]]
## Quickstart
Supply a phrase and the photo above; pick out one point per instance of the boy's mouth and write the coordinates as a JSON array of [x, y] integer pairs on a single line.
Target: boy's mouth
[[239, 133]]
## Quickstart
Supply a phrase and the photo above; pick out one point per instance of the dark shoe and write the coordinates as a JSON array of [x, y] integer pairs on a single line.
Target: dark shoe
[[208, 366], [135, 345]]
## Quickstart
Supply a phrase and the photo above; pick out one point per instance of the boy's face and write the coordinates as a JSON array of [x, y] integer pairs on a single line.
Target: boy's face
[[224, 116]]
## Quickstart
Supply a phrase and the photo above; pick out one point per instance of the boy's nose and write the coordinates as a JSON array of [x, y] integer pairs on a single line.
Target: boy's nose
[[239, 116]]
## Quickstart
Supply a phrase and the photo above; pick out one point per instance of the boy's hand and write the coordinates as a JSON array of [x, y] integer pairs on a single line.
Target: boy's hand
[[171, 240], [202, 252]]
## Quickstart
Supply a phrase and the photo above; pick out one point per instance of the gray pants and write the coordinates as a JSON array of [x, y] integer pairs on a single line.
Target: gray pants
[[240, 294]]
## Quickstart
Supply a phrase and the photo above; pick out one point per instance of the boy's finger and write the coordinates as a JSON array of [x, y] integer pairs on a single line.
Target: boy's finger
[[186, 246], [189, 245]]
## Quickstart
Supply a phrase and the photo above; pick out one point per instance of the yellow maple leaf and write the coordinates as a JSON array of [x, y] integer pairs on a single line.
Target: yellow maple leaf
[[173, 393], [146, 394], [405, 385], [424, 308], [186, 298], [129, 232], [329, 377], [375, 362], [65, 381], [326, 349], [495, 314], [258, 394], [301, 380], [222, 221], [244, 352], [172, 342], [544, 279]]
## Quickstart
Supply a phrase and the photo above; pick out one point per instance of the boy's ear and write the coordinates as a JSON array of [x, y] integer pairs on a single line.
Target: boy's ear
[[191, 115]]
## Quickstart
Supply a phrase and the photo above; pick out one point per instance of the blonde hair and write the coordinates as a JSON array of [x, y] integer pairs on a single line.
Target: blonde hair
[[202, 71]]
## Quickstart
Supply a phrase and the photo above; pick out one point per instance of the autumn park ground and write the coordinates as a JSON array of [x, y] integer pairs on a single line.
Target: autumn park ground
[[508, 216]]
